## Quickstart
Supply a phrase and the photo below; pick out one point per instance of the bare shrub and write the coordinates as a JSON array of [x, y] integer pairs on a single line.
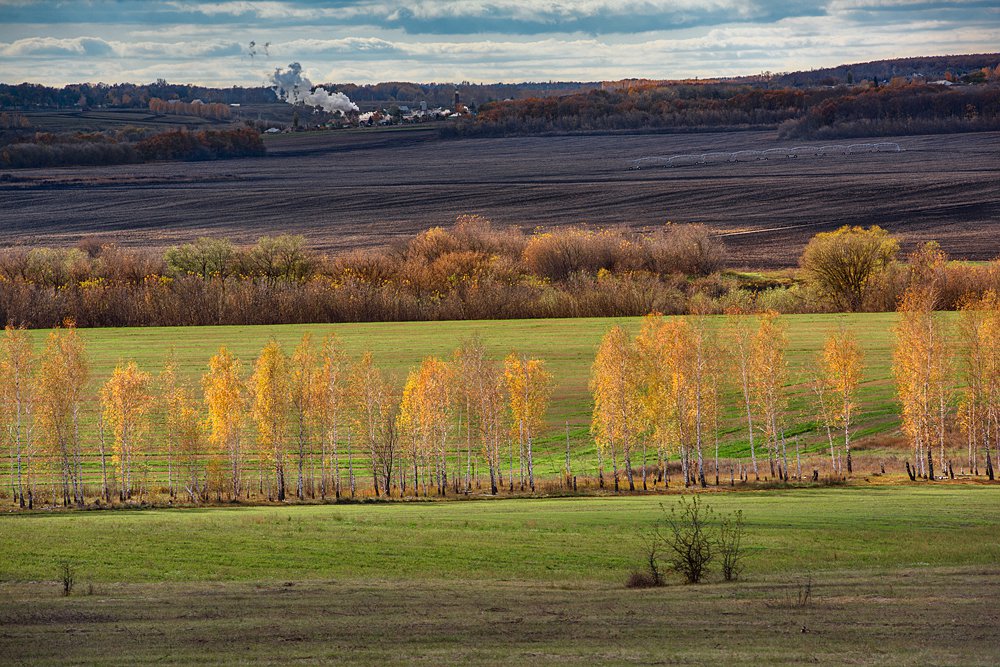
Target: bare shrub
[[687, 538], [67, 575], [477, 234], [688, 249], [730, 543], [639, 579], [558, 254]]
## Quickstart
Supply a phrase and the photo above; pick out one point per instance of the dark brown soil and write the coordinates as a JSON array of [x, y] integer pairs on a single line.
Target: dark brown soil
[[359, 188]]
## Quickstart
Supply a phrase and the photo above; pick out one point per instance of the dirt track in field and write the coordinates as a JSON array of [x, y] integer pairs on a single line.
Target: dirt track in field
[[346, 189]]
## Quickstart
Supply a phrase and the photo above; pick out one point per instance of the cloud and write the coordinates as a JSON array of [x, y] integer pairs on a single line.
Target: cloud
[[50, 47], [201, 41]]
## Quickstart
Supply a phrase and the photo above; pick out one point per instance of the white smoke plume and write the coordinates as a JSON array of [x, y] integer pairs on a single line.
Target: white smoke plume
[[290, 86]]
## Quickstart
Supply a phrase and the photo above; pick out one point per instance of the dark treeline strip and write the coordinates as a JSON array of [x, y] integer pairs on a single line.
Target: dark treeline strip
[[470, 271], [129, 146], [864, 109], [894, 110], [932, 68], [139, 96], [214, 110]]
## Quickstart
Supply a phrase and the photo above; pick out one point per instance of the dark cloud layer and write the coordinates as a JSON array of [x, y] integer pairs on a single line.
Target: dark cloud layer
[[205, 40]]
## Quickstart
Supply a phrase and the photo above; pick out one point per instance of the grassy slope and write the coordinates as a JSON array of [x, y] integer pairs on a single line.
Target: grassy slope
[[568, 345], [555, 540], [895, 575]]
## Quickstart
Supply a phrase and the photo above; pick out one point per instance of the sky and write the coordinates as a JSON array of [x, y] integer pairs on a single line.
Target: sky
[[56, 42]]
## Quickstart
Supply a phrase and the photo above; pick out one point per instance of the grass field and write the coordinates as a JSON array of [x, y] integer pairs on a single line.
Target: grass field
[[567, 345], [894, 575]]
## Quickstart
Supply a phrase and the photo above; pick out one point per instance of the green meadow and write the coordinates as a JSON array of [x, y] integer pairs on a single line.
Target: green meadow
[[877, 575], [549, 539], [567, 346]]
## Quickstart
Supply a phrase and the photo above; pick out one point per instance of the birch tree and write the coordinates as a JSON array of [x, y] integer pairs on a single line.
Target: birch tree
[[480, 384], [979, 408], [769, 372], [226, 403], [169, 395], [332, 397], [126, 403], [372, 411], [843, 367], [529, 386], [305, 387], [269, 388], [16, 390], [824, 403], [59, 394], [189, 433], [742, 346], [918, 368], [425, 420], [617, 417]]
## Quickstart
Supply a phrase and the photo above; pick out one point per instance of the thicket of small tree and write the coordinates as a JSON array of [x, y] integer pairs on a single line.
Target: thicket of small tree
[[469, 271], [862, 108], [46, 149]]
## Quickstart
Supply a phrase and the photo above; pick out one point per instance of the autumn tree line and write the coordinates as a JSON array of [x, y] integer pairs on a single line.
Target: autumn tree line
[[48, 149], [471, 270], [316, 423], [213, 110], [860, 108]]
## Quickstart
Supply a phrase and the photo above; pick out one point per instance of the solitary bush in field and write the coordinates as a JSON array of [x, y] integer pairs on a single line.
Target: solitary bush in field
[[688, 543], [687, 537], [67, 574], [731, 545]]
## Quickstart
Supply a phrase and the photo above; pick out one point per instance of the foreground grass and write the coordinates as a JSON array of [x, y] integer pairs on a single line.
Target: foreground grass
[[552, 540], [926, 617], [889, 575]]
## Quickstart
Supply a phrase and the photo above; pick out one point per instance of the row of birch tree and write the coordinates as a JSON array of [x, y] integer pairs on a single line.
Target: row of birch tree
[[313, 423], [662, 392], [317, 423]]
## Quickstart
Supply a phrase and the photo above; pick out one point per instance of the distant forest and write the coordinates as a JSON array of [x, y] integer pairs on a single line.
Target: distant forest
[[132, 145], [937, 94], [138, 96], [868, 109]]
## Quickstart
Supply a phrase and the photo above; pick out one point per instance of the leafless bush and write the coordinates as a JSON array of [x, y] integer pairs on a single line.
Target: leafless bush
[[689, 249], [730, 544], [639, 579], [67, 574], [687, 538], [476, 233], [558, 254], [652, 546]]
